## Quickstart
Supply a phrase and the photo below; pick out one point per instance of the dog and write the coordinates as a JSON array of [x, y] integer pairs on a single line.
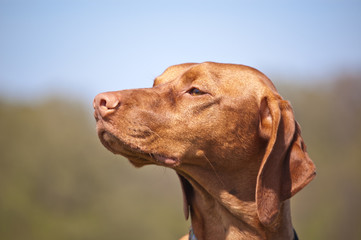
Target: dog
[[230, 137]]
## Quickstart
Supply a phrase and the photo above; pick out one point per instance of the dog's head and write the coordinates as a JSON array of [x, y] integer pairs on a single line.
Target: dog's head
[[220, 118]]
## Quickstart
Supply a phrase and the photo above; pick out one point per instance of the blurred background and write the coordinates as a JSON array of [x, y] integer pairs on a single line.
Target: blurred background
[[58, 182]]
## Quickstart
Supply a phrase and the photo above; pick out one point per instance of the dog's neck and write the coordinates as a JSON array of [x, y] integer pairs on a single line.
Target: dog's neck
[[221, 215]]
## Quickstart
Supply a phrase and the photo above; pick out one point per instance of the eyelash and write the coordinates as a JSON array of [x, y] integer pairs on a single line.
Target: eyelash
[[195, 92]]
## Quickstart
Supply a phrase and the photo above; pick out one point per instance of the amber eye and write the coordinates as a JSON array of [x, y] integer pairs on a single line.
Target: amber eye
[[195, 92]]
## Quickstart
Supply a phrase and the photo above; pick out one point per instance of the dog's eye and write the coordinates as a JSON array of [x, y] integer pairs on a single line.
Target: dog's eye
[[195, 92]]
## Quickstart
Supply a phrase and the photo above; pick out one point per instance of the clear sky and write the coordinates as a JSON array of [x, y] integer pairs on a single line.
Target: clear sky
[[83, 47]]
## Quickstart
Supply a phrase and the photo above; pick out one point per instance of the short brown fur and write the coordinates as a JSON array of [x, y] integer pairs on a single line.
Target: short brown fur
[[230, 137]]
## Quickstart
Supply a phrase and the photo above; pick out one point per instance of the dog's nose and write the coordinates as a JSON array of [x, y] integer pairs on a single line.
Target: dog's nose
[[105, 104]]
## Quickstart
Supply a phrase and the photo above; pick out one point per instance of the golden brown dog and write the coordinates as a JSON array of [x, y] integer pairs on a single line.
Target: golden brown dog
[[229, 136]]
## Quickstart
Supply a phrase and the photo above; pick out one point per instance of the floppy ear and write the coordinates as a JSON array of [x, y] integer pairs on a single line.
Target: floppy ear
[[285, 168]]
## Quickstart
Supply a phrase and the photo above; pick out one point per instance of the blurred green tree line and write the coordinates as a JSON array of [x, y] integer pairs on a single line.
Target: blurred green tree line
[[58, 182]]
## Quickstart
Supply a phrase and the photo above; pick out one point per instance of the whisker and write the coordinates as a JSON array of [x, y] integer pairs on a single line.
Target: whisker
[[149, 129], [214, 170]]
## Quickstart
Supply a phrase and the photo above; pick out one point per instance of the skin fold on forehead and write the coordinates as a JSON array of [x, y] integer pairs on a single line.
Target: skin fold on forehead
[[234, 78]]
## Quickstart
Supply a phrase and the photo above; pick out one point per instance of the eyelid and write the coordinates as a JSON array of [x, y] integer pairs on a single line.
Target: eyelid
[[194, 91]]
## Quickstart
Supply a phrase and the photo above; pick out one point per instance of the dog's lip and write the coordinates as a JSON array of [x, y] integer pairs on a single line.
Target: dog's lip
[[168, 161], [108, 139]]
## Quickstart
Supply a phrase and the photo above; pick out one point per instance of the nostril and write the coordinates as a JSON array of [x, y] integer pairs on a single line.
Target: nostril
[[109, 103], [103, 103], [106, 103]]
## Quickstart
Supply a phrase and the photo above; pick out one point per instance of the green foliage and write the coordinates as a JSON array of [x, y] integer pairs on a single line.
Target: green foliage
[[58, 182]]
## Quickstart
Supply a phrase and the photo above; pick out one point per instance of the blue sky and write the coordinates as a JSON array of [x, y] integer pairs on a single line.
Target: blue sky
[[84, 47]]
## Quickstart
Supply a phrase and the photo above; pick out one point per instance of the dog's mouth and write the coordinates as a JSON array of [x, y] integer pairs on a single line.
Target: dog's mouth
[[135, 154]]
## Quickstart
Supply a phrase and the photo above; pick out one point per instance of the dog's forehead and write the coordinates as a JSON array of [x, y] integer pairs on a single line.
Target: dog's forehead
[[231, 76], [172, 73]]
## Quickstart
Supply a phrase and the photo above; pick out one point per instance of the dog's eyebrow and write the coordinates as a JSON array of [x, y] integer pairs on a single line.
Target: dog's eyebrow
[[189, 77], [155, 81]]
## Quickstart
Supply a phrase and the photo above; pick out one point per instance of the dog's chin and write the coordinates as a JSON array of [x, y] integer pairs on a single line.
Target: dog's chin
[[113, 144], [134, 154], [109, 141]]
